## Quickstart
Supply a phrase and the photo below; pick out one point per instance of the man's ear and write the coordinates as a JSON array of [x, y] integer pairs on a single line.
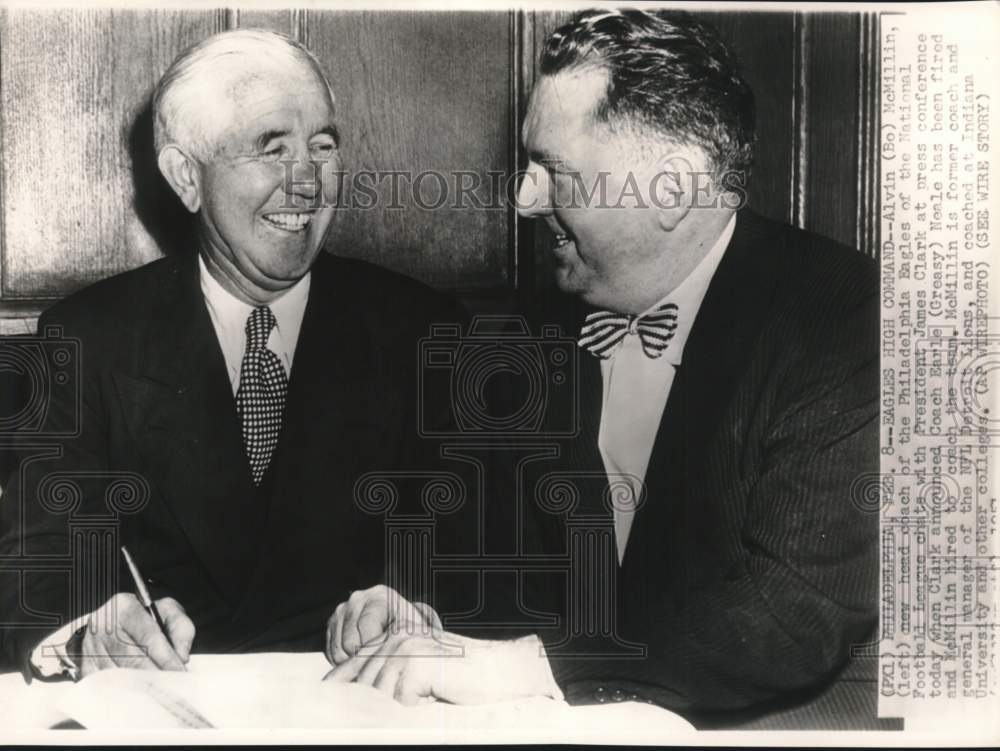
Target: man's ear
[[672, 191], [181, 171]]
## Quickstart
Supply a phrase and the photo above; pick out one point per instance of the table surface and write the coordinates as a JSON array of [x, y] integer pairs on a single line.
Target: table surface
[[284, 693]]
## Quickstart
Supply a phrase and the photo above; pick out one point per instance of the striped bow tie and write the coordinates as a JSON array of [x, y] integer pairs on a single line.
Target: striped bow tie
[[602, 331]]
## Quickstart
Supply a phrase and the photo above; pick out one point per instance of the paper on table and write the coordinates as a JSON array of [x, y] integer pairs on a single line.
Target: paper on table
[[228, 691], [286, 691], [30, 707]]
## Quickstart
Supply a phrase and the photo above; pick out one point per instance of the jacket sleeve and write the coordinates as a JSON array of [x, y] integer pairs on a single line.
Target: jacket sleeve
[[59, 461]]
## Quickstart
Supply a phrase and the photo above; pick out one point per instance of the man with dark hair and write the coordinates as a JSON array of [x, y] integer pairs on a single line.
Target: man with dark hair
[[668, 75], [729, 398]]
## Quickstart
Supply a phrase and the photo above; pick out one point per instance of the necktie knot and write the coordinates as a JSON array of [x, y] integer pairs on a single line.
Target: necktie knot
[[603, 331], [259, 326]]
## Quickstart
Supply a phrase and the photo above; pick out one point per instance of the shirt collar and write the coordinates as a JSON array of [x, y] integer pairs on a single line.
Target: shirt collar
[[230, 313], [690, 293], [289, 309]]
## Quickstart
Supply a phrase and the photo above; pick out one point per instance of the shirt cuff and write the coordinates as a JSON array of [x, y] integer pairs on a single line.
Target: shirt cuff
[[547, 686], [49, 659]]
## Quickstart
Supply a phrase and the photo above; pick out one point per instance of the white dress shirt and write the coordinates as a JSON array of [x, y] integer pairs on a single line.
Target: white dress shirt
[[636, 388], [229, 318]]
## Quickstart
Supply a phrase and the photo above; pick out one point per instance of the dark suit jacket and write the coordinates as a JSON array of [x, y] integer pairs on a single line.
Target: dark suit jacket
[[751, 567], [255, 569]]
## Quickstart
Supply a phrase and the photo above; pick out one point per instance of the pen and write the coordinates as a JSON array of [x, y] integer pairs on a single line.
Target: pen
[[145, 599]]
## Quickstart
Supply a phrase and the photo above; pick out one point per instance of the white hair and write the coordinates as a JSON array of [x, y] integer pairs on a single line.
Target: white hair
[[183, 106]]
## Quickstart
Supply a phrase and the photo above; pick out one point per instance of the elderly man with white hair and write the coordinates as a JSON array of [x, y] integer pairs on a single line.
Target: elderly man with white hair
[[242, 388]]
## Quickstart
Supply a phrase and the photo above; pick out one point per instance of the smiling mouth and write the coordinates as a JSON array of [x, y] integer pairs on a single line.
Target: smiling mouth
[[561, 239], [289, 222]]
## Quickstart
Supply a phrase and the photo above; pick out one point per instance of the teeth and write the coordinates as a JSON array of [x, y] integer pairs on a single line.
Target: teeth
[[292, 222], [561, 240]]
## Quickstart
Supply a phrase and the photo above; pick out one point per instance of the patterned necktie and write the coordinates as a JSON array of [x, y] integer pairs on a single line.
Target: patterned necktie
[[260, 399], [603, 331]]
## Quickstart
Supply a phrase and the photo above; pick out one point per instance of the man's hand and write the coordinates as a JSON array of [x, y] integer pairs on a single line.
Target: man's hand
[[369, 615], [456, 669], [122, 634]]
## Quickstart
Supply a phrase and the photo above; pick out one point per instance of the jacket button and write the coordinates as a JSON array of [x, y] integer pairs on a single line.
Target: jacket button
[[618, 695], [600, 695], [634, 697]]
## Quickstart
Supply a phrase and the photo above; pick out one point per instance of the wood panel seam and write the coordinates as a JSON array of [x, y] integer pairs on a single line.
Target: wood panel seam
[[800, 120], [869, 103]]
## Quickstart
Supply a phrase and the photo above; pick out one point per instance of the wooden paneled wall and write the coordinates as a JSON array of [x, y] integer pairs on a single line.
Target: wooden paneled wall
[[814, 77], [439, 101], [80, 197], [72, 84]]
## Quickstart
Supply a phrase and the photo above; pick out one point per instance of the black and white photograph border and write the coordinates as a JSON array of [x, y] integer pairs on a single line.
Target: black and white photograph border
[[415, 501]]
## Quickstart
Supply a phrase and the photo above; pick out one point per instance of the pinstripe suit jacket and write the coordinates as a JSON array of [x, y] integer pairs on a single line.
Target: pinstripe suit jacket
[[751, 568]]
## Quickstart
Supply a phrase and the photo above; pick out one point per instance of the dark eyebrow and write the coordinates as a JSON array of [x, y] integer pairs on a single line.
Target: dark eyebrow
[[267, 136], [330, 130]]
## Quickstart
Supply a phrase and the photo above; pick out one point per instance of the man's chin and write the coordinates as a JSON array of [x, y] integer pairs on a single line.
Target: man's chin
[[292, 267], [278, 281], [568, 281]]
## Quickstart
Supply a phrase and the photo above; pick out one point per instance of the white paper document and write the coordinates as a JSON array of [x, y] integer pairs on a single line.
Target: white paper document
[[287, 691]]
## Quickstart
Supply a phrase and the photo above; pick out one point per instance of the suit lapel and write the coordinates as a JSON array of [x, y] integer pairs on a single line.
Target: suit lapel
[[181, 410], [330, 406], [720, 344], [578, 459], [582, 453], [331, 358], [585, 454]]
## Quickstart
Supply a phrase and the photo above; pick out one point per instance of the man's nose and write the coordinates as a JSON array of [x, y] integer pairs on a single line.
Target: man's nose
[[304, 179], [533, 198]]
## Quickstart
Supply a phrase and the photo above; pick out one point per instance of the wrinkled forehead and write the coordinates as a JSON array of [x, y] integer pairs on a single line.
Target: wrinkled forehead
[[256, 97], [245, 80]]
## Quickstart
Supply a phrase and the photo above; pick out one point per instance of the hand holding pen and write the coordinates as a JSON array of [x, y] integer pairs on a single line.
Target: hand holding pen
[[133, 631], [142, 592]]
